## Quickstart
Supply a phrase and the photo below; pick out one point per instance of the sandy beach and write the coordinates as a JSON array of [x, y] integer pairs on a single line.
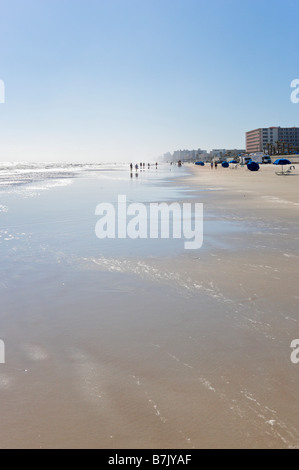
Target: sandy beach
[[242, 187], [142, 344]]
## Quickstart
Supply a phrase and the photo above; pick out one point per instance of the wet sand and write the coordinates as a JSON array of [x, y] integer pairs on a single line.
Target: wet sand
[[122, 346]]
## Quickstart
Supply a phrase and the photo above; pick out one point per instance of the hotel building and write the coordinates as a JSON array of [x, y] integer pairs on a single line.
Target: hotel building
[[259, 140]]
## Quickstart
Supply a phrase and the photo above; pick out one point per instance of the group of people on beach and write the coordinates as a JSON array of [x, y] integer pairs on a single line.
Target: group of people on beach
[[141, 166], [214, 164]]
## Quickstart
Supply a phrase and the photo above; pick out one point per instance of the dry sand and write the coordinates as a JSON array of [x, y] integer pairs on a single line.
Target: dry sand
[[247, 190]]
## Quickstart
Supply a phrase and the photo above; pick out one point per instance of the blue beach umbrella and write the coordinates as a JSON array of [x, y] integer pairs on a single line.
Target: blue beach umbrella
[[282, 161], [253, 166], [232, 161], [225, 164], [199, 163]]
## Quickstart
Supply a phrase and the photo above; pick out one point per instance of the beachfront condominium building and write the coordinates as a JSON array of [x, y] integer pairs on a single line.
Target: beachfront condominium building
[[266, 139]]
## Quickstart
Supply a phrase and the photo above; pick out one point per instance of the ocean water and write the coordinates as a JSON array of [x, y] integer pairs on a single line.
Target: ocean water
[[61, 200], [123, 343]]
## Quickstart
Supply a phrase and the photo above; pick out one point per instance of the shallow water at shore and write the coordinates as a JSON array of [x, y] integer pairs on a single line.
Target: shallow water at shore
[[143, 345]]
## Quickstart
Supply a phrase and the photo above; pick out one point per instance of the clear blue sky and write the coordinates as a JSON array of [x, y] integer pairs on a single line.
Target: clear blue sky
[[101, 80]]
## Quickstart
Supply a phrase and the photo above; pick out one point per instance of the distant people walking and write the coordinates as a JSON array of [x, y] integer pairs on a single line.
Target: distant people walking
[[212, 164], [131, 166], [136, 167], [216, 165]]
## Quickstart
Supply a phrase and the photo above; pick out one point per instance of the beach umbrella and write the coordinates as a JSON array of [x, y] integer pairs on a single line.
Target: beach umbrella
[[225, 164], [232, 161], [253, 166], [199, 163], [282, 161]]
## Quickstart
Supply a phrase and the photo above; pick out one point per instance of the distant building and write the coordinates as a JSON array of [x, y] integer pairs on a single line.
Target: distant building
[[217, 153], [234, 153], [203, 156], [184, 155], [224, 154], [272, 140]]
